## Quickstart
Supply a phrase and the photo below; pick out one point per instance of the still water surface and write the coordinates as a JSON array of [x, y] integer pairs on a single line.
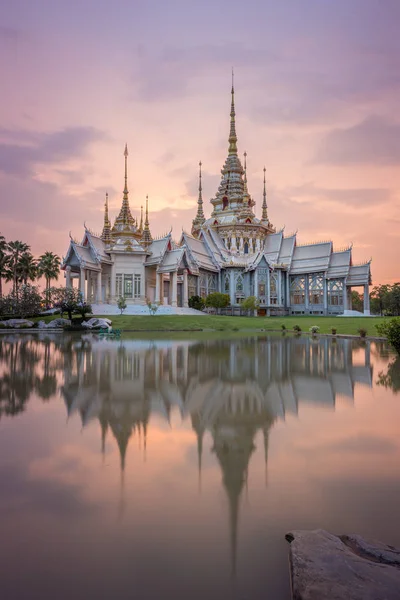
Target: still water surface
[[173, 469]]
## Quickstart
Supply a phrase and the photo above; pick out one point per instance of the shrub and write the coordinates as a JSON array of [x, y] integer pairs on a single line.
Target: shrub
[[283, 326], [297, 328], [83, 309], [251, 304], [152, 306], [121, 304], [218, 300], [391, 330], [196, 302], [314, 329], [363, 332], [333, 330]]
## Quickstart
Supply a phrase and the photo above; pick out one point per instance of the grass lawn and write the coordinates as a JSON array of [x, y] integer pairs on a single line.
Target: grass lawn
[[343, 325]]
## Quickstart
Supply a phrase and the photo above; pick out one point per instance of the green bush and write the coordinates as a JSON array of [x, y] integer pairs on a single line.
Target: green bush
[[391, 330], [283, 326], [297, 328], [314, 329], [218, 300], [196, 302], [333, 330], [363, 332], [251, 304], [121, 304]]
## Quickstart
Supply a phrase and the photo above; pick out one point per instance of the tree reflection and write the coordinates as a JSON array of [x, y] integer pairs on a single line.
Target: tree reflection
[[391, 379]]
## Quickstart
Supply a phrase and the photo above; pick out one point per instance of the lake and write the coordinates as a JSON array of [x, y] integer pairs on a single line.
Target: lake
[[159, 468]]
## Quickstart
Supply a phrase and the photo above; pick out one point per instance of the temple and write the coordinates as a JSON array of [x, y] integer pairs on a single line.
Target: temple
[[233, 252]]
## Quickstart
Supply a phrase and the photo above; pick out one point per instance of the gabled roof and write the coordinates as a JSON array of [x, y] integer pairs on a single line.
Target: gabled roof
[[311, 258], [81, 255], [272, 246], [127, 244], [157, 250], [359, 274], [171, 260], [286, 251], [200, 253], [97, 246], [339, 264]]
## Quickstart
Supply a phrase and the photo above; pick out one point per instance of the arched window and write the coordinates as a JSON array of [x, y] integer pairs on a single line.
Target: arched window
[[246, 248], [248, 220], [225, 202]]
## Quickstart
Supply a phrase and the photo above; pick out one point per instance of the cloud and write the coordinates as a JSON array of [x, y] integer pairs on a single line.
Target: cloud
[[349, 197], [374, 141], [21, 151]]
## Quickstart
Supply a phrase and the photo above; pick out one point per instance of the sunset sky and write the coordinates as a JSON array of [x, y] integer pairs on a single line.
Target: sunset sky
[[317, 94]]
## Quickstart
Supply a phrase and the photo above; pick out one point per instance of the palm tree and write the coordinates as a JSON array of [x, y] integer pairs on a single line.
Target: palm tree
[[27, 268], [3, 262], [16, 250], [49, 267]]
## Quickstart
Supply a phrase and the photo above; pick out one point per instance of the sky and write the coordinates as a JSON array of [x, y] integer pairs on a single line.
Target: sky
[[317, 89]]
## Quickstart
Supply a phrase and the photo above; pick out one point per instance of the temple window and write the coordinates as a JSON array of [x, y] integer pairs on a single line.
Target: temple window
[[211, 282], [246, 248], [128, 286], [227, 283], [273, 288], [316, 289], [335, 292], [137, 282], [203, 285], [192, 285], [225, 202], [118, 285], [297, 290]]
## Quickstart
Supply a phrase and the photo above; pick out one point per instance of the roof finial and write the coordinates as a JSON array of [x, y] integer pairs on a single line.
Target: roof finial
[[264, 216], [232, 132], [146, 238], [141, 219], [126, 171], [199, 218], [245, 174], [106, 233]]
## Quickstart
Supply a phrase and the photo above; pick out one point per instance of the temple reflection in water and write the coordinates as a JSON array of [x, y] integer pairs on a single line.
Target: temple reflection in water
[[233, 389]]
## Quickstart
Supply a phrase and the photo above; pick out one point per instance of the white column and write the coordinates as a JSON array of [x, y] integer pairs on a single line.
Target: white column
[[68, 277], [366, 300], [232, 287], [82, 289], [113, 284], [258, 244], [99, 297], [287, 289], [233, 245], [345, 298], [185, 289], [268, 288], [174, 295], [278, 288], [161, 276], [256, 283], [158, 295], [325, 284]]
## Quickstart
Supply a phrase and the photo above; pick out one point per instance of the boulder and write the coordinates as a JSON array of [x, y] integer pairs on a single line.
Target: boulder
[[17, 324], [345, 567], [95, 323], [42, 325], [58, 324]]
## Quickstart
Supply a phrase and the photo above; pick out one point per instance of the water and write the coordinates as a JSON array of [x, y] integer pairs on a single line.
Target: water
[[173, 469]]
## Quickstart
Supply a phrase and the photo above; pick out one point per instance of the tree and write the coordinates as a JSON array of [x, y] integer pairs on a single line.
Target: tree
[[27, 268], [121, 304], [66, 299], [196, 302], [49, 268], [217, 300], [251, 304], [3, 262], [385, 299], [15, 251], [357, 301]]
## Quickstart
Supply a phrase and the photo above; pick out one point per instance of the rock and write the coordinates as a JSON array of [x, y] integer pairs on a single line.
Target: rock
[[17, 324], [348, 567], [95, 323], [42, 325], [58, 324]]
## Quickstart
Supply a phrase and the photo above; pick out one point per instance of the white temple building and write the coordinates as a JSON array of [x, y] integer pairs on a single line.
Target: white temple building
[[232, 251]]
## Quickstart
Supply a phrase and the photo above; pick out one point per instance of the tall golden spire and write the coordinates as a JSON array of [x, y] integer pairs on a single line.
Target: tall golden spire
[[199, 218], [264, 216], [232, 132], [125, 222], [146, 238], [246, 193], [141, 220], [106, 233]]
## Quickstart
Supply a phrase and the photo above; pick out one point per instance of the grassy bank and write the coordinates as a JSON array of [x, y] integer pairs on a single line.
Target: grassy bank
[[345, 325]]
